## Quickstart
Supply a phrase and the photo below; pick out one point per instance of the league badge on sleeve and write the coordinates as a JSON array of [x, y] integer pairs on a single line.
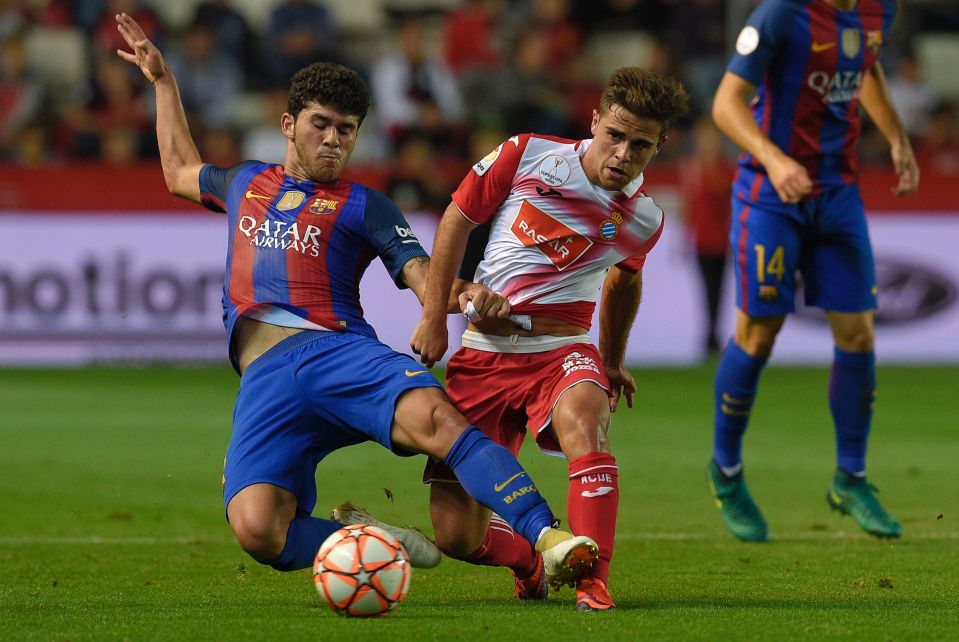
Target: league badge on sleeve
[[747, 41], [487, 161]]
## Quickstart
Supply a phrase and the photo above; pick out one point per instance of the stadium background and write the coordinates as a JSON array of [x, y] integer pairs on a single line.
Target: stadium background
[[101, 265]]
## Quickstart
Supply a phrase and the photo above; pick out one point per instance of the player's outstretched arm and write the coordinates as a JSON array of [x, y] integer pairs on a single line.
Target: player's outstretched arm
[[622, 292], [178, 154], [731, 114], [878, 104], [486, 303], [431, 338]]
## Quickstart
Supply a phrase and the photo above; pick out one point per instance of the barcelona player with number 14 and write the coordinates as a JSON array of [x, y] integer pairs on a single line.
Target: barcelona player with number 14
[[806, 66]]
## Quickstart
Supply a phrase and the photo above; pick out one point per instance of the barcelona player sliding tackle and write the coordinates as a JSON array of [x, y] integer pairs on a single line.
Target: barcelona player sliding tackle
[[805, 66], [568, 217], [300, 238]]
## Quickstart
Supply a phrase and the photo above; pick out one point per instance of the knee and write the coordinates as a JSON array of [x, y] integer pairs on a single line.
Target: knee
[[756, 344], [457, 540], [855, 340], [261, 536], [581, 434]]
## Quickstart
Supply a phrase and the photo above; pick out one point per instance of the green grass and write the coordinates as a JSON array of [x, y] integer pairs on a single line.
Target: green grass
[[111, 522]]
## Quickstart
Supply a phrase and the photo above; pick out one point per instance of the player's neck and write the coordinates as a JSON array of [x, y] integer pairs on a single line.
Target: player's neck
[[843, 5]]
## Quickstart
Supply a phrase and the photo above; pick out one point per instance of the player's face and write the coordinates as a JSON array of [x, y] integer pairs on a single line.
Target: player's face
[[321, 139], [622, 146]]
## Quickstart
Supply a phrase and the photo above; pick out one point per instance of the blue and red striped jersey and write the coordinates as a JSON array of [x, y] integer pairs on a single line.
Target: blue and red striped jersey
[[298, 249], [807, 60]]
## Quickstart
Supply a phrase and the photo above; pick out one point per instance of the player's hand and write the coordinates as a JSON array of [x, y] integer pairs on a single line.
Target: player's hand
[[430, 340], [621, 384], [145, 55], [907, 169], [790, 179], [486, 303]]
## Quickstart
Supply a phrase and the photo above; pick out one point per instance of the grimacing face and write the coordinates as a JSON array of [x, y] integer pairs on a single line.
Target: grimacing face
[[623, 144], [322, 140]]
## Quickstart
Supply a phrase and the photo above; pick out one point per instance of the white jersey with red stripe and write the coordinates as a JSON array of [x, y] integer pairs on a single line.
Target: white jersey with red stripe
[[554, 233]]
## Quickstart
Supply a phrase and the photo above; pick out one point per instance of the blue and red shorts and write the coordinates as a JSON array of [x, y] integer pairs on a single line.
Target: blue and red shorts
[[311, 394], [824, 239]]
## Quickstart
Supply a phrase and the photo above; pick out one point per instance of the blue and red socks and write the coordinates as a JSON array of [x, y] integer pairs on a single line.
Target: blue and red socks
[[852, 391], [737, 378]]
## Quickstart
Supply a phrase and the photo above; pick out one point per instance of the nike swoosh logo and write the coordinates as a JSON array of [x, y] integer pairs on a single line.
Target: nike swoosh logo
[[413, 374], [818, 47], [251, 194], [499, 487], [602, 490]]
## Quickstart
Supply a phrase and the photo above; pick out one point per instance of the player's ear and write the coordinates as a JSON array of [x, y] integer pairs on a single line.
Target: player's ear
[[286, 125], [593, 126]]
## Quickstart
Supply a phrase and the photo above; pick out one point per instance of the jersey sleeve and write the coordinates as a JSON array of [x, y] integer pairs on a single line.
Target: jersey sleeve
[[634, 264], [490, 180], [215, 184], [391, 235], [766, 30]]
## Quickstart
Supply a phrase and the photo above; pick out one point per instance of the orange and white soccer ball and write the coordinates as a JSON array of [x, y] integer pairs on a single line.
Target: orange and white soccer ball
[[362, 571]]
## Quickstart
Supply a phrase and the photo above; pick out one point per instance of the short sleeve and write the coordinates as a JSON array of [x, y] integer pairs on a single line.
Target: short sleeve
[[766, 30], [634, 264], [489, 182], [215, 184], [390, 235]]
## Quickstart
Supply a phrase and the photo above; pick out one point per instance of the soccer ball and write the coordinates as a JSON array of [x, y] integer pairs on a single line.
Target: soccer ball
[[362, 571]]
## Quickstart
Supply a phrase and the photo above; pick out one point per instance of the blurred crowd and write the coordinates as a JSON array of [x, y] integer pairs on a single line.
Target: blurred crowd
[[448, 82]]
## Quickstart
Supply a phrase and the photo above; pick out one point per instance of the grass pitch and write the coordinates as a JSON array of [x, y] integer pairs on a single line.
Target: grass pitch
[[111, 522]]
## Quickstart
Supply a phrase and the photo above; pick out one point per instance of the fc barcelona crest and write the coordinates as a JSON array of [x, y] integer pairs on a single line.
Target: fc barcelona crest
[[851, 42], [324, 206]]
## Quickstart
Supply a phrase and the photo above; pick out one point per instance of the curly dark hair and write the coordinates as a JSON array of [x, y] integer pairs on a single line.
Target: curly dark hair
[[646, 94], [329, 84]]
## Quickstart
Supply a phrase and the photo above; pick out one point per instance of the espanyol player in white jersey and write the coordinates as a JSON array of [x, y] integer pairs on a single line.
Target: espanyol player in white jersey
[[568, 217]]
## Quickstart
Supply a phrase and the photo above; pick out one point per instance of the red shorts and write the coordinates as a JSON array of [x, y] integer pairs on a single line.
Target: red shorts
[[504, 394]]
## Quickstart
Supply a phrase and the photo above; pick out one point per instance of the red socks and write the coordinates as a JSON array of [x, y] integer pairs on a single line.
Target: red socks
[[592, 504], [504, 547]]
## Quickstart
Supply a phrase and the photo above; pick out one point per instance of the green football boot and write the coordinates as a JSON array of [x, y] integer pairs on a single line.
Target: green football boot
[[856, 497], [736, 506]]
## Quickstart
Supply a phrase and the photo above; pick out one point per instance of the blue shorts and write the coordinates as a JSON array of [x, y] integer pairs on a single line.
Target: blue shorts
[[824, 238], [307, 396]]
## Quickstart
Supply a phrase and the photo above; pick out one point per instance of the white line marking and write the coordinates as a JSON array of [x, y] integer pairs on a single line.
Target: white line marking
[[135, 541], [623, 537]]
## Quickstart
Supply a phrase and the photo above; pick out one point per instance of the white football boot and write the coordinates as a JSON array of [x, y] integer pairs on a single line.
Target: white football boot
[[565, 556], [422, 550]]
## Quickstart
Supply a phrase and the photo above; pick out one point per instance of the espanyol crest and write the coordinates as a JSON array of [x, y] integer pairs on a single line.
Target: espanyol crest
[[609, 228]]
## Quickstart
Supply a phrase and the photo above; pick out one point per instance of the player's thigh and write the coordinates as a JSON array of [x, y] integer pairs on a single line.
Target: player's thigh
[[483, 387], [355, 382], [837, 265], [274, 438], [459, 522], [424, 421], [765, 249], [570, 386], [581, 420]]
